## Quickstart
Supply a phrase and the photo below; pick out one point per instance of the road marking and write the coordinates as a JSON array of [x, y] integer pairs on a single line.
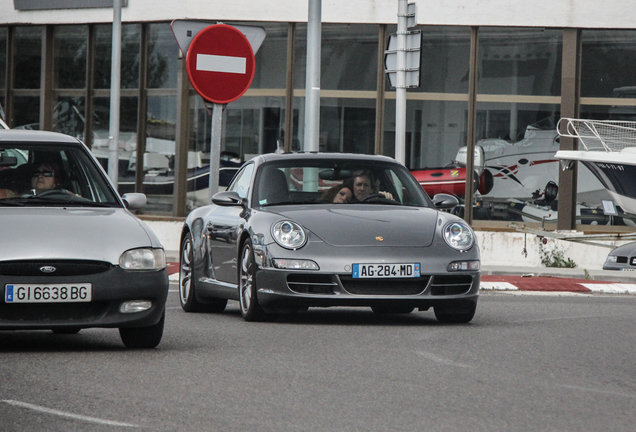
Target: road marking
[[67, 414], [499, 286], [217, 63], [613, 288]]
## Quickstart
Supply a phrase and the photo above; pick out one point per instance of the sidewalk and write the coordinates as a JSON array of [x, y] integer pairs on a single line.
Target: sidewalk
[[557, 280]]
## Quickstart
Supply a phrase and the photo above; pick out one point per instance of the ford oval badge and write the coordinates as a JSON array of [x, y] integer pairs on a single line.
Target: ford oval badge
[[47, 269]]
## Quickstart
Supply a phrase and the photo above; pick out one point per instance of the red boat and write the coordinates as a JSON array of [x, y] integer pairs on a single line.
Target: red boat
[[451, 181]]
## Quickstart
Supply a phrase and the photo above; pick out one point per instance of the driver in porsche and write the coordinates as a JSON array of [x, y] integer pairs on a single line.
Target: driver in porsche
[[364, 184]]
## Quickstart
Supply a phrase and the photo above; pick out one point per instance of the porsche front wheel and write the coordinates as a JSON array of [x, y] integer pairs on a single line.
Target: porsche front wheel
[[187, 284], [250, 308]]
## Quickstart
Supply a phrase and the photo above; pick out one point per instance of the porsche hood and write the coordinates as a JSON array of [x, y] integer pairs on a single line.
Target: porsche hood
[[367, 225]]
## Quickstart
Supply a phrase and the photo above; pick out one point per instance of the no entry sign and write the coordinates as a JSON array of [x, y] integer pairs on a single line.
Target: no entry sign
[[220, 63]]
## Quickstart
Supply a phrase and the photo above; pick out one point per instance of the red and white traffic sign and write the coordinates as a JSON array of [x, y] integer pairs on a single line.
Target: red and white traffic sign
[[220, 63]]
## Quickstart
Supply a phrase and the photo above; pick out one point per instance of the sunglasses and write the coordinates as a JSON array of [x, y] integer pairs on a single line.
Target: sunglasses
[[43, 173]]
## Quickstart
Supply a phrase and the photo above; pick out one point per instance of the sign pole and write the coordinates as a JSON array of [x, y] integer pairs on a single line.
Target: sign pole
[[115, 84], [215, 148], [220, 64], [400, 88]]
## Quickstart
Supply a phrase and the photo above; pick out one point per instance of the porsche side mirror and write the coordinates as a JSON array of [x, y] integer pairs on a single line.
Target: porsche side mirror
[[227, 199], [445, 201]]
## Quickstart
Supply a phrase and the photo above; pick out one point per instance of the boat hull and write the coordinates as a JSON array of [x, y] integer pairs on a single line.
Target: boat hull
[[615, 170]]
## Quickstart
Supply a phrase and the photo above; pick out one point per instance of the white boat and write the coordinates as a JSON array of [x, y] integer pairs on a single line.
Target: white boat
[[522, 168], [609, 153]]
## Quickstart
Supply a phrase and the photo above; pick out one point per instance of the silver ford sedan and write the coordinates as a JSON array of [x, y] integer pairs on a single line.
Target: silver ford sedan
[[301, 230], [73, 254]]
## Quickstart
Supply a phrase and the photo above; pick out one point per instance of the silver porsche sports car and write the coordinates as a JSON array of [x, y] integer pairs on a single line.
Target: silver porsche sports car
[[301, 230], [73, 256]]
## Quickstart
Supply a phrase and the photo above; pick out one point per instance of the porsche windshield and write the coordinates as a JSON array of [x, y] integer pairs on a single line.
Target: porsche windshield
[[336, 181], [51, 174]]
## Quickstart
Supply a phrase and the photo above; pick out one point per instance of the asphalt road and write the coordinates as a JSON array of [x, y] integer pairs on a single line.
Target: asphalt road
[[526, 363]]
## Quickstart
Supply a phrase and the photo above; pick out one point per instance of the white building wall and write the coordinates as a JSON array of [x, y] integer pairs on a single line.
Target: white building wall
[[538, 13]]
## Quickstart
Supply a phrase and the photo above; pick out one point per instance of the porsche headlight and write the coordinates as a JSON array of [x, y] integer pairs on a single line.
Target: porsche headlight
[[459, 236], [289, 234], [143, 259]]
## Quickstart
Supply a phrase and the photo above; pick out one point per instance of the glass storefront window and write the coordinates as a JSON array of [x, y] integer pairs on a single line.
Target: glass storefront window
[[346, 125], [608, 62], [519, 165], [3, 58], [130, 51], [69, 116], [435, 130], [445, 57], [26, 112], [69, 56], [163, 53], [271, 57], [27, 55], [349, 56], [127, 138], [251, 126], [520, 61]]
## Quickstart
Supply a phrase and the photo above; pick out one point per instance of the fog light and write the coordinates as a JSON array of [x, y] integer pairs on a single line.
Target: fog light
[[463, 266], [134, 306], [295, 264]]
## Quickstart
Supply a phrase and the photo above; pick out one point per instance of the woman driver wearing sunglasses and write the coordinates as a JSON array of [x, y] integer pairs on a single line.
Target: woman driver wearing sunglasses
[[47, 177]]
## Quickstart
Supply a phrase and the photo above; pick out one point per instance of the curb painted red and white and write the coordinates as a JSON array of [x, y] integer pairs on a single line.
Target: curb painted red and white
[[553, 284]]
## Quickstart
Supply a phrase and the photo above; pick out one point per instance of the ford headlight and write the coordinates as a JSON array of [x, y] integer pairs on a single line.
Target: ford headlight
[[289, 235], [459, 236], [144, 259]]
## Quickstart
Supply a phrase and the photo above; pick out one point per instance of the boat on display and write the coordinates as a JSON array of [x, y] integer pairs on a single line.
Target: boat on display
[[510, 176], [609, 153]]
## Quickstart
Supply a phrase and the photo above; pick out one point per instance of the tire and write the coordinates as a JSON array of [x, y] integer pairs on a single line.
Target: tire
[[187, 287], [392, 309], [459, 314], [143, 337], [66, 330], [248, 301]]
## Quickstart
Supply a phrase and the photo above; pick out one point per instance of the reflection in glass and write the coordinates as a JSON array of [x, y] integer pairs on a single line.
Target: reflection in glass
[[27, 54], [26, 112], [69, 116], [346, 125], [3, 58], [271, 58], [519, 61], [445, 59], [349, 54], [70, 45], [130, 51], [435, 131], [127, 137], [163, 52], [608, 62]]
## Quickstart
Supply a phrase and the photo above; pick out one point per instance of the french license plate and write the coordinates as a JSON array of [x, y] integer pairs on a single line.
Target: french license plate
[[407, 270], [628, 269], [58, 293]]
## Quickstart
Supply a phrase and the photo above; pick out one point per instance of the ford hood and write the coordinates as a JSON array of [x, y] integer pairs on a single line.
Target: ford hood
[[71, 233]]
